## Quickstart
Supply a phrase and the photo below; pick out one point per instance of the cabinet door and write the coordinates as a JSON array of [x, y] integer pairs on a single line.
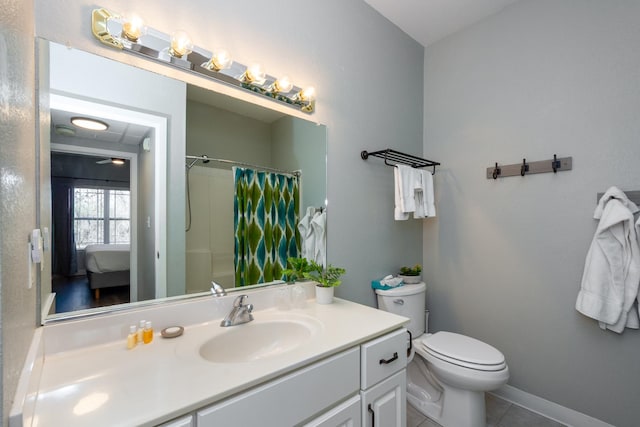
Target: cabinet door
[[346, 414], [291, 399], [385, 405]]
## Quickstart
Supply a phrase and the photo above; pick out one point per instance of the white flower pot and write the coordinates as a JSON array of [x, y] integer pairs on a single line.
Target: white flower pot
[[410, 279], [324, 295]]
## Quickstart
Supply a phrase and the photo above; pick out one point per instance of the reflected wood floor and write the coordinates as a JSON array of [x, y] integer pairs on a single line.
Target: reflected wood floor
[[73, 293]]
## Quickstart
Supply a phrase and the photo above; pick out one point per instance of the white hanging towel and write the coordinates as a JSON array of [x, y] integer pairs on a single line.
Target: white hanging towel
[[424, 198], [319, 225], [612, 268], [403, 196], [307, 245]]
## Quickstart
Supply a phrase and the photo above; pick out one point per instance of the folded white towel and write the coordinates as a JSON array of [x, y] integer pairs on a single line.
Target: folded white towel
[[427, 184], [399, 214], [425, 206], [391, 281]]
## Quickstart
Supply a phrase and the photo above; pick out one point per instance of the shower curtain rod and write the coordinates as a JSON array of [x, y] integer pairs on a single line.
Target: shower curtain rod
[[206, 158]]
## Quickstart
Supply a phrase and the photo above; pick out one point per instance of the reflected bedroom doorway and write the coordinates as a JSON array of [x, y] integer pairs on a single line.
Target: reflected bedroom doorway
[[91, 224]]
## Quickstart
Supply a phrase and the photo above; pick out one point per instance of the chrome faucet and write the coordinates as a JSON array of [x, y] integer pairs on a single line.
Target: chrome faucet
[[217, 290], [239, 314]]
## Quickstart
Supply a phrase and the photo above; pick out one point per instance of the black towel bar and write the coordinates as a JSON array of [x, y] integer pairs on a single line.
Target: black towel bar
[[393, 158]]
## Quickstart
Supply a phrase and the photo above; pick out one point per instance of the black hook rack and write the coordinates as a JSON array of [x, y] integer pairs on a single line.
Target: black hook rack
[[393, 158], [526, 168]]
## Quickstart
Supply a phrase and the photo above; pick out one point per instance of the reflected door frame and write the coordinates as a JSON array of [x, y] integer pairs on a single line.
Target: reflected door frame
[[159, 143]]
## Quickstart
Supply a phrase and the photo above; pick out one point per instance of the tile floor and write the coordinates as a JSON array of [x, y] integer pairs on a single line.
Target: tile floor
[[500, 413]]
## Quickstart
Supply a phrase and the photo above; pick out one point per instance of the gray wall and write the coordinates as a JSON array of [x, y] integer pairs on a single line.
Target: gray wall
[[504, 258], [17, 190]]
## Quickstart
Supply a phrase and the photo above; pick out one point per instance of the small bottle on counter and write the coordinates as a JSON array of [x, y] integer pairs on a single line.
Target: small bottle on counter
[[132, 338], [147, 335], [141, 331]]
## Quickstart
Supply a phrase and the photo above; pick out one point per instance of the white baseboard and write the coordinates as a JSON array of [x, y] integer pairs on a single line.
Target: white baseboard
[[547, 408]]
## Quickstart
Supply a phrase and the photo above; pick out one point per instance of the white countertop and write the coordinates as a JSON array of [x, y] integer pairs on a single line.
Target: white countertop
[[107, 385]]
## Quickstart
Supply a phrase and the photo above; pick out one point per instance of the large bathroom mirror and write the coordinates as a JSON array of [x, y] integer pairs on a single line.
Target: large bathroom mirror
[[143, 210]]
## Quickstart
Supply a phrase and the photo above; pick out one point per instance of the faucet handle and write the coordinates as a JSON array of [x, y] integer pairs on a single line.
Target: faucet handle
[[239, 300]]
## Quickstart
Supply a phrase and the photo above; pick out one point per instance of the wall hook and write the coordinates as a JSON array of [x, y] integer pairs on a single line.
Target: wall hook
[[555, 164], [496, 171], [524, 168]]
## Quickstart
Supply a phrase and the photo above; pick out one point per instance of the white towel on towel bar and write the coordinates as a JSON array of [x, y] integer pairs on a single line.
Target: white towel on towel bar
[[425, 201], [611, 275], [413, 193]]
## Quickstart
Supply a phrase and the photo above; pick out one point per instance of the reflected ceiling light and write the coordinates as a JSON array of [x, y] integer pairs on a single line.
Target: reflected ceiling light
[[133, 27], [177, 50], [91, 124], [254, 75], [220, 60], [282, 85], [181, 44], [117, 161]]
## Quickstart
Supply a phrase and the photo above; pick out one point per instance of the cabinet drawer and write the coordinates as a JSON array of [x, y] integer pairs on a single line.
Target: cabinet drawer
[[383, 357]]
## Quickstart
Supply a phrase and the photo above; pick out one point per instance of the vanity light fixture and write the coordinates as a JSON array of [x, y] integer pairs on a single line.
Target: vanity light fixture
[[220, 60], [181, 44], [282, 85], [116, 161], [133, 27], [254, 74], [131, 35], [90, 124]]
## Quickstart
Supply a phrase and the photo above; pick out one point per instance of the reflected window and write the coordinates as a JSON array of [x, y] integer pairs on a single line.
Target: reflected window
[[101, 215]]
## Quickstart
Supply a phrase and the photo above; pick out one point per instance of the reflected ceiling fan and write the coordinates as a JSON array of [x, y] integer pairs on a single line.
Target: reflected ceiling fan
[[111, 160]]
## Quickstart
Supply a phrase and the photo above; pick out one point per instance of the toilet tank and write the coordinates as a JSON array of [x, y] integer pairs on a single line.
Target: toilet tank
[[408, 301]]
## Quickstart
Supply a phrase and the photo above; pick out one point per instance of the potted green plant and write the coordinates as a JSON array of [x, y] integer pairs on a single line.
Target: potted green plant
[[327, 279], [299, 266], [411, 274]]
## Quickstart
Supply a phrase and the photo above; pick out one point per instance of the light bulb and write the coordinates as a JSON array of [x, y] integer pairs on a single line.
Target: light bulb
[[307, 94], [220, 60], [283, 84], [255, 74], [133, 27], [181, 44]]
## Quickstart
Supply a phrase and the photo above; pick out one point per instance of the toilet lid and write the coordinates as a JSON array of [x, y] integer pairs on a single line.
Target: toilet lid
[[464, 351], [403, 290]]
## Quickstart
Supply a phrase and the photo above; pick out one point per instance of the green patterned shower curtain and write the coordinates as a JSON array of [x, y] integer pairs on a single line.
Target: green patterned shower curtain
[[266, 219]]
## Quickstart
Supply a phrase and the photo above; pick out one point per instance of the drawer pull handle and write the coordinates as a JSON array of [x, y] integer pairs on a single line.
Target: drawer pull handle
[[387, 361], [373, 415], [410, 343], [398, 301]]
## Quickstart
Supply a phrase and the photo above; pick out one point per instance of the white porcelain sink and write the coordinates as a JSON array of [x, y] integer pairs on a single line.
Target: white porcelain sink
[[259, 339]]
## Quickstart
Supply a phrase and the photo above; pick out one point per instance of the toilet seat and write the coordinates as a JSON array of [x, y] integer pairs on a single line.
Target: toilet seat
[[463, 351]]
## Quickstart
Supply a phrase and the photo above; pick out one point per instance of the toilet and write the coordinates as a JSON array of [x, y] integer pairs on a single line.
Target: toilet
[[447, 373]]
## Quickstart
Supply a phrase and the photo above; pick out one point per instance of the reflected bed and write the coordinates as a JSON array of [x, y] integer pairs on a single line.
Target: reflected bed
[[107, 266]]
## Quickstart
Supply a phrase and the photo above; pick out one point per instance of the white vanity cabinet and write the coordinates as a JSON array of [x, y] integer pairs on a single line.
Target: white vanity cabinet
[[362, 386], [384, 381]]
